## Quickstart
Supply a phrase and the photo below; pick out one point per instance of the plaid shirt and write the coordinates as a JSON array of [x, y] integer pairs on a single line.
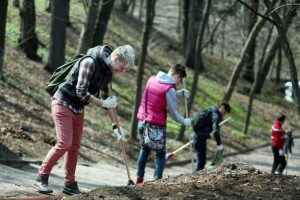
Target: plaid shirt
[[86, 70]]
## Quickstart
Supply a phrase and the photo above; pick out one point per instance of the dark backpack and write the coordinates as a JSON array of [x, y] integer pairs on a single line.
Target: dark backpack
[[201, 118], [60, 74]]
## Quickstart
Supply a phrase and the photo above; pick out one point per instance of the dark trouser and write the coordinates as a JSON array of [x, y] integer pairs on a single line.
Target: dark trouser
[[159, 163], [199, 143], [279, 161]]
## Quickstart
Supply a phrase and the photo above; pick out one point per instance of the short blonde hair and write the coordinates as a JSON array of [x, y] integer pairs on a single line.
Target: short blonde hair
[[126, 53]]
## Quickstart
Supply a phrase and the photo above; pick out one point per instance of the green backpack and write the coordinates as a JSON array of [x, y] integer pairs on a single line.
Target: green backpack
[[60, 74]]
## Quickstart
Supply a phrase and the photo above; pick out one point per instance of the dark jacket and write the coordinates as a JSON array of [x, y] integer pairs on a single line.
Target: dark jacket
[[101, 77], [207, 121]]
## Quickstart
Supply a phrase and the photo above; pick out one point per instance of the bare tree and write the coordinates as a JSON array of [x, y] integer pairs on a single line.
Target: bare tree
[[243, 58], [141, 8], [126, 4], [150, 14], [57, 34], [179, 22], [102, 21], [16, 3], [48, 5], [195, 17], [185, 22], [198, 62], [281, 29], [263, 71], [28, 41], [248, 72], [278, 66], [88, 28], [3, 15], [132, 7]]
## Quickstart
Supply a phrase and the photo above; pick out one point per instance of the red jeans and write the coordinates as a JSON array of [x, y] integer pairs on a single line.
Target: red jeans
[[69, 129]]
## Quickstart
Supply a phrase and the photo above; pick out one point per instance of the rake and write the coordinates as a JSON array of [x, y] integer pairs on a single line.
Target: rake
[[170, 155], [121, 142]]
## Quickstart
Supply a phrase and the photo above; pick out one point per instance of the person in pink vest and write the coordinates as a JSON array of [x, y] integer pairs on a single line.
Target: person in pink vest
[[158, 98], [278, 140]]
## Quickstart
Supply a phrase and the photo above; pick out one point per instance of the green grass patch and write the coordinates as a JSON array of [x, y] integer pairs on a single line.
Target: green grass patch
[[273, 99], [239, 134], [11, 34]]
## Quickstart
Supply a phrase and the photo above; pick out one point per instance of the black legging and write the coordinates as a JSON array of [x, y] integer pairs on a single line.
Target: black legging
[[279, 161]]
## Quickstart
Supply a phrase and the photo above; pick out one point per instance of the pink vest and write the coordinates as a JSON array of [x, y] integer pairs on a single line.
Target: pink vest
[[155, 93]]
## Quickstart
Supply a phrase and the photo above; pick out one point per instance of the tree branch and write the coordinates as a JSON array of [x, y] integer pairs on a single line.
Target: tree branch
[[211, 38], [257, 13], [275, 9]]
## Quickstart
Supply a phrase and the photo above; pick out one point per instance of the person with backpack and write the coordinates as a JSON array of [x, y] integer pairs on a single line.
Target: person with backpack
[[278, 136], [205, 123], [159, 97], [90, 76]]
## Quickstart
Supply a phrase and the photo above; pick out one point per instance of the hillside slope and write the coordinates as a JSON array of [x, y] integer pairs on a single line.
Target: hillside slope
[[25, 106]]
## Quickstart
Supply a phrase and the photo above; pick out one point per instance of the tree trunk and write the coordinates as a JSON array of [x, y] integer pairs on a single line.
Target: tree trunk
[[125, 5], [185, 22], [150, 14], [57, 34], [281, 29], [132, 7], [267, 43], [278, 66], [3, 15], [244, 55], [179, 22], [103, 18], [48, 5], [16, 3], [88, 28], [271, 55], [195, 17], [141, 10], [248, 73], [223, 39], [198, 63], [28, 41]]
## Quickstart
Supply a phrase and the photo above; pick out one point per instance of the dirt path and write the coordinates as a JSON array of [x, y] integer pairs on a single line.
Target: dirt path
[[262, 159], [15, 182]]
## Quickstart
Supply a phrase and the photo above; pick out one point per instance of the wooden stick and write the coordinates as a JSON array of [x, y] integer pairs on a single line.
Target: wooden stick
[[170, 155], [121, 142], [188, 129]]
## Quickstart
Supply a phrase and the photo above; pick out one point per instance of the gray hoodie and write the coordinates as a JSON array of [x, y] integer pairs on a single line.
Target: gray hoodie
[[164, 78]]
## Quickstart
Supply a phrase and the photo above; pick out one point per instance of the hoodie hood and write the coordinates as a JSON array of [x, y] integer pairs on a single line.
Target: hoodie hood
[[101, 54], [277, 126], [164, 78]]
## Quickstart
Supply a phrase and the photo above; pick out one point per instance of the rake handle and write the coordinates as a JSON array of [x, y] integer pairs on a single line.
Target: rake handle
[[187, 115], [187, 144], [121, 143]]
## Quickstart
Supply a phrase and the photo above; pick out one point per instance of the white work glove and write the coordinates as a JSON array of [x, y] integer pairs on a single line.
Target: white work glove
[[121, 134], [281, 152], [183, 93], [187, 122], [220, 147], [110, 102]]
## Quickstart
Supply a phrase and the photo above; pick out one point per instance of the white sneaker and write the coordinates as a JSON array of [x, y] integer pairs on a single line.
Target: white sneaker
[[41, 184], [278, 173]]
